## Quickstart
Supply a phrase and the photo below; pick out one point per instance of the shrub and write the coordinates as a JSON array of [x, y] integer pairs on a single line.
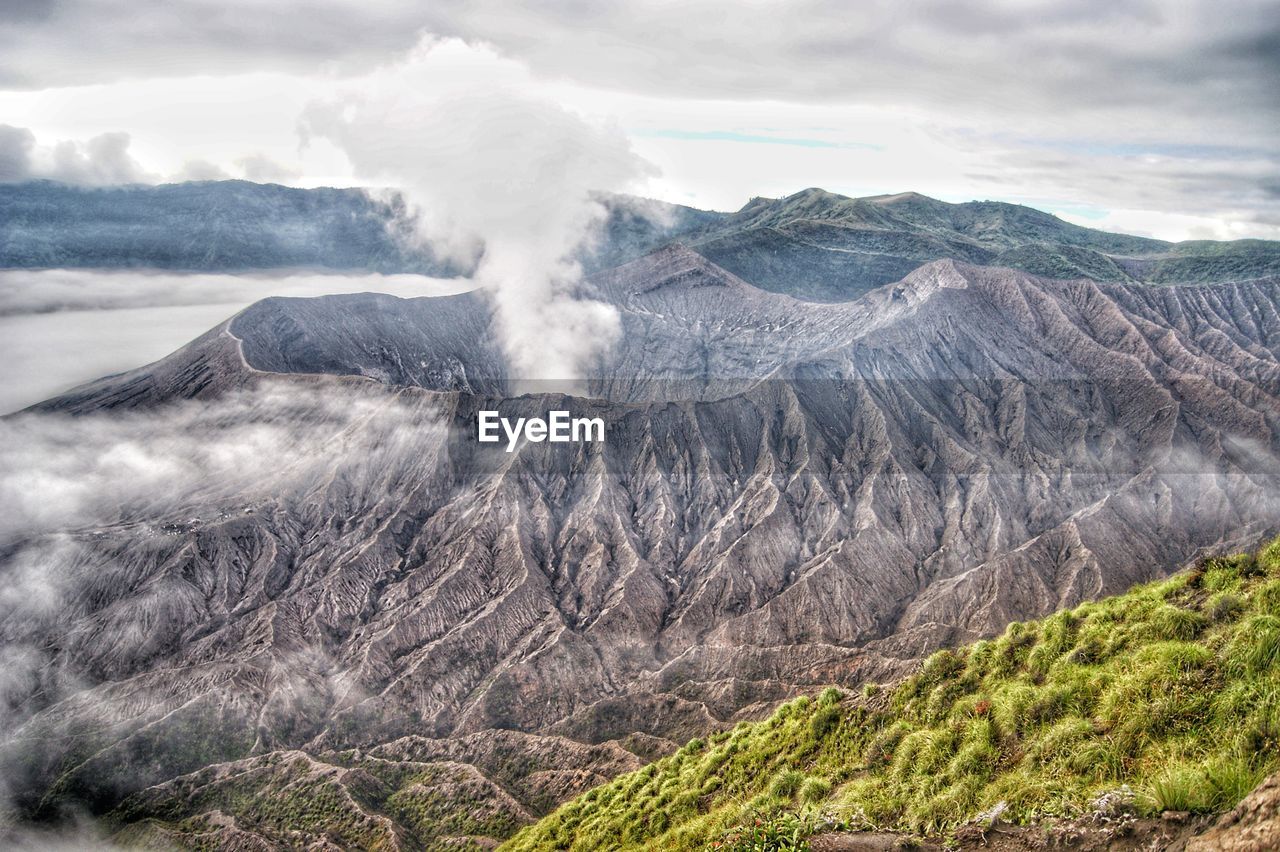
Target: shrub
[[1220, 576], [943, 665], [786, 832], [885, 744], [1061, 742], [1229, 780], [1269, 558], [977, 758], [1266, 599], [1179, 788]]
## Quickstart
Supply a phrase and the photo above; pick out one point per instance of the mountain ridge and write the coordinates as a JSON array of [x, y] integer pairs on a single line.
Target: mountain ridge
[[814, 244], [829, 247]]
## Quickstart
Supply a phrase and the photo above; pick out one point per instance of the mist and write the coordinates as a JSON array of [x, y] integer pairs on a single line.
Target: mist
[[67, 484], [60, 328]]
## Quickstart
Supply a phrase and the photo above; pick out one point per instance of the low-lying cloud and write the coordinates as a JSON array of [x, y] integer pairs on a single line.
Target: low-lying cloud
[[59, 472], [85, 498], [24, 291], [147, 474]]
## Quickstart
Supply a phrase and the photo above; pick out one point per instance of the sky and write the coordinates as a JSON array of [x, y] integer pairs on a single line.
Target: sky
[[1153, 118]]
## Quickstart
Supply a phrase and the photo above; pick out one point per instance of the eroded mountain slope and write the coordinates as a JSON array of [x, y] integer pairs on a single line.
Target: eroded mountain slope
[[789, 495]]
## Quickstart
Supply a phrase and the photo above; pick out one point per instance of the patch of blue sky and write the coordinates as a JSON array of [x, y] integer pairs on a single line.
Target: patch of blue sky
[[750, 138], [1171, 150]]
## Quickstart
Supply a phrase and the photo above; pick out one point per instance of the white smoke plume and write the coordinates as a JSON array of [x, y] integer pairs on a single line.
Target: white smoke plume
[[495, 172]]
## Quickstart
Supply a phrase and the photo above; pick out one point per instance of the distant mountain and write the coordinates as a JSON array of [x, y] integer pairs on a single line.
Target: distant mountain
[[234, 226], [813, 245], [226, 226], [826, 247], [789, 495]]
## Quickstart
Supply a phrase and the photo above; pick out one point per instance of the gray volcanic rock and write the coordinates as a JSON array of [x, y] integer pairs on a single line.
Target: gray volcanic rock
[[788, 495]]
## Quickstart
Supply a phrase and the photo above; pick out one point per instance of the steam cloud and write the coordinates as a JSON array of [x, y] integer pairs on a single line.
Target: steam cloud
[[498, 175]]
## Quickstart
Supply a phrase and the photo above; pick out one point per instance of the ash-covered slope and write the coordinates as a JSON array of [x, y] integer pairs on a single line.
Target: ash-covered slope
[[789, 494]]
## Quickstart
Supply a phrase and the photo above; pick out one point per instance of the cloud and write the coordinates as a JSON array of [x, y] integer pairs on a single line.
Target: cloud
[[142, 475], [86, 497], [1165, 69], [202, 170], [67, 42], [1163, 109], [1170, 192], [262, 169], [79, 832], [76, 473], [105, 160], [1184, 67], [16, 145], [496, 172], [102, 160]]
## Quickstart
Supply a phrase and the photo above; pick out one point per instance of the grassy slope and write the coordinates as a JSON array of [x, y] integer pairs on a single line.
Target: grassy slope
[[1172, 689]]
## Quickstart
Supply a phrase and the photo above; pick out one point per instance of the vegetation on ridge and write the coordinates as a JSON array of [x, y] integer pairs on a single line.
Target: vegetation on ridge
[[1169, 694]]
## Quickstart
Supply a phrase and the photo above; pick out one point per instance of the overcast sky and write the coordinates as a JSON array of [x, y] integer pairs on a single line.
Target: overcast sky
[[1158, 118]]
